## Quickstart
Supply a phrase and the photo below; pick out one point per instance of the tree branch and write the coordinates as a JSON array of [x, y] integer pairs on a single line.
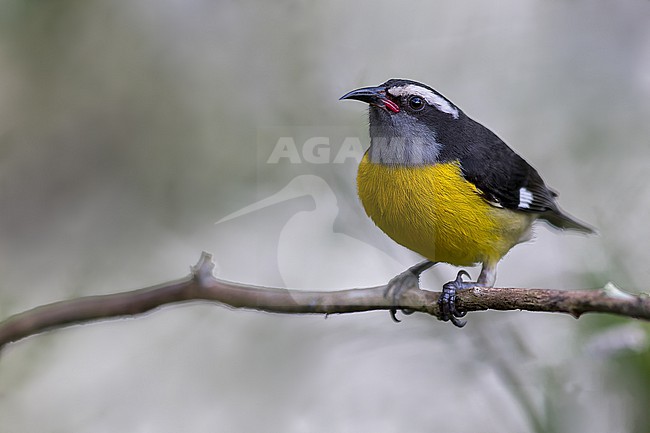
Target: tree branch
[[202, 285]]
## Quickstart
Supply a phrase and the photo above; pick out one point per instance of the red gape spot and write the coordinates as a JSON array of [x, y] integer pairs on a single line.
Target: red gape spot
[[390, 105]]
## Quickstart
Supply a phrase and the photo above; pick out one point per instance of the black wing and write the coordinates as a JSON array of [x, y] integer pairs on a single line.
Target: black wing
[[505, 179]]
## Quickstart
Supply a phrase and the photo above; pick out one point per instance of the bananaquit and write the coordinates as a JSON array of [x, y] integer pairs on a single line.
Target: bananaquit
[[446, 187]]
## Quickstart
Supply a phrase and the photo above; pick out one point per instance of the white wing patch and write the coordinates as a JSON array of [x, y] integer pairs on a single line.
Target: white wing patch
[[432, 98], [525, 198]]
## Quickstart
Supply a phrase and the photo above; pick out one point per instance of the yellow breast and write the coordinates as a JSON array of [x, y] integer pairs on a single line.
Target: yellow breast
[[435, 212]]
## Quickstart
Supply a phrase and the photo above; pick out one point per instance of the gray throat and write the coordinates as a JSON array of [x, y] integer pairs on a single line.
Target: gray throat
[[401, 140]]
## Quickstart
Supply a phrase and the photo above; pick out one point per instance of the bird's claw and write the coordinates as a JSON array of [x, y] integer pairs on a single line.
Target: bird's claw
[[407, 280], [447, 300], [397, 286]]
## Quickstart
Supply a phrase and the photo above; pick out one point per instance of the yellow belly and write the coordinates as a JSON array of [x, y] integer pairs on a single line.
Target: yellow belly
[[435, 212]]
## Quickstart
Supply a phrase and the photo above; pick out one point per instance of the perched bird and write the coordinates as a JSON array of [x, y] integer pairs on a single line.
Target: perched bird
[[446, 187]]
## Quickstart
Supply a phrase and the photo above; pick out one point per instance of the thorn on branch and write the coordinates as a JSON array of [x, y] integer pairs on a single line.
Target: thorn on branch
[[203, 271]]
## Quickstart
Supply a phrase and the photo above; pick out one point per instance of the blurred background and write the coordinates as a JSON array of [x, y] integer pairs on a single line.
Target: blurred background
[[128, 128]]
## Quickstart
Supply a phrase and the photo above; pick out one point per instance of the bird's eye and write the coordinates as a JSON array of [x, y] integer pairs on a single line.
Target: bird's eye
[[416, 103]]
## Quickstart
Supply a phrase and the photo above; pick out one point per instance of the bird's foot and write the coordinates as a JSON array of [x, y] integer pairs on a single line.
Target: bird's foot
[[447, 300], [407, 280]]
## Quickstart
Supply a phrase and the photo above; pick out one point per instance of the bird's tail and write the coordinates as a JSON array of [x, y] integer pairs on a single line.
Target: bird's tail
[[562, 221]]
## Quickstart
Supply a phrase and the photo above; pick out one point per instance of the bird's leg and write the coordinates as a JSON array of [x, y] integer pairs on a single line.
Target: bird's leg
[[447, 299], [488, 275], [409, 279]]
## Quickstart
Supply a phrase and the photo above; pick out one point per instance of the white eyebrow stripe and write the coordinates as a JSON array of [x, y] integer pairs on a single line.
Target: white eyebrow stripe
[[432, 98]]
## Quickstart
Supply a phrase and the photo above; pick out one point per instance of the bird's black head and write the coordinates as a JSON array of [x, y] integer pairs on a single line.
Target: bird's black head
[[399, 95], [406, 118]]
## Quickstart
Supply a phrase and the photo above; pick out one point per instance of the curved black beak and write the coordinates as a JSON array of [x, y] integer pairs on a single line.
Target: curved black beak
[[370, 95], [374, 96]]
